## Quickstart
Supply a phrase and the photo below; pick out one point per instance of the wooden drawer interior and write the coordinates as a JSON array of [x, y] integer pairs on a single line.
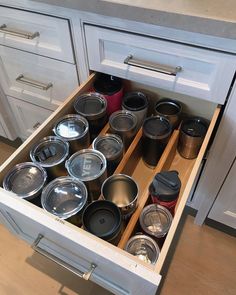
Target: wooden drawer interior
[[131, 164]]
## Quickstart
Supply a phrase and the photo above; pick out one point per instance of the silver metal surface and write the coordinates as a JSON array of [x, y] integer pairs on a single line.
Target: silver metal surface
[[84, 275], [36, 84], [130, 60], [26, 35]]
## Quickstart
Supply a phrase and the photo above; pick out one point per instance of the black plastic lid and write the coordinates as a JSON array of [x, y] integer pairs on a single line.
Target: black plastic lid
[[103, 219], [157, 127], [195, 127], [107, 84], [135, 101], [166, 186]]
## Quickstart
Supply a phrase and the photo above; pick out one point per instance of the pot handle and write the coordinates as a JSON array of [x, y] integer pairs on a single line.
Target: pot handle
[[84, 275], [130, 60]]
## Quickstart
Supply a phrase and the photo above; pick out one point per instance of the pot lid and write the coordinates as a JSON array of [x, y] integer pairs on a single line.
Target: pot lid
[[155, 220], [110, 145], [25, 179], [123, 121], [64, 197], [195, 127], [135, 101], [107, 84], [157, 127], [86, 164], [71, 127], [50, 151]]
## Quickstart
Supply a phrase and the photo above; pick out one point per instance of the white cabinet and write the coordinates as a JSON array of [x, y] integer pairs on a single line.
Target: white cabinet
[[224, 208], [28, 116], [2, 131]]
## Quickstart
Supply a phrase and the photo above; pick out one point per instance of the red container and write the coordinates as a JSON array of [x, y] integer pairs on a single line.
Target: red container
[[164, 189], [111, 88]]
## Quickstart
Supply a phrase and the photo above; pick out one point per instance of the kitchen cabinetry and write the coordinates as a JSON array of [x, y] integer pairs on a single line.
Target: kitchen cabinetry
[[224, 208]]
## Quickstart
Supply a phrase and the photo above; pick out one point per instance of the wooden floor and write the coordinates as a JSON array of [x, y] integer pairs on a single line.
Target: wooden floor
[[203, 263]]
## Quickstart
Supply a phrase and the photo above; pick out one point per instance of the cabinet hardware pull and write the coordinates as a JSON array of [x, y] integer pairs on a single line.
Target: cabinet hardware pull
[[84, 275], [14, 32], [22, 79], [151, 66]]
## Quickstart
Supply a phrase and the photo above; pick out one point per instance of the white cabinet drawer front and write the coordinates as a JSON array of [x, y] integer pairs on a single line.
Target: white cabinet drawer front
[[204, 74], [37, 33], [28, 116], [40, 80]]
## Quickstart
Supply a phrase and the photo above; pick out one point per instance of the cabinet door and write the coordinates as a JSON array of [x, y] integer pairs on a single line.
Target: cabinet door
[[224, 208], [28, 116]]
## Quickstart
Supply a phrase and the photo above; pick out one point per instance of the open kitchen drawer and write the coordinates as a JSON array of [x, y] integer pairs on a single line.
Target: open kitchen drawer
[[81, 252]]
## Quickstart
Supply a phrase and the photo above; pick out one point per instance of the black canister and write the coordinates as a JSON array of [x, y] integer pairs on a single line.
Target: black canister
[[164, 189], [156, 133], [112, 148], [26, 180], [75, 130], [66, 198], [51, 153], [88, 166], [124, 123], [103, 219], [93, 107]]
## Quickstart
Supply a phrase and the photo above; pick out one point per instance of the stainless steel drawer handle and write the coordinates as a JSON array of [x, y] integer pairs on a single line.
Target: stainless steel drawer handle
[[14, 32], [130, 60], [84, 275], [28, 81]]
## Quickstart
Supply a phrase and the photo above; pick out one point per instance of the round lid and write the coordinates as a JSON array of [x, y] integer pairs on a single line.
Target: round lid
[[135, 101], [91, 105], [123, 121], [71, 127], [166, 185], [86, 164], [103, 219], [50, 151], [143, 247], [25, 180], [157, 127], [110, 145], [167, 106], [106, 84], [195, 127], [64, 197], [155, 220]]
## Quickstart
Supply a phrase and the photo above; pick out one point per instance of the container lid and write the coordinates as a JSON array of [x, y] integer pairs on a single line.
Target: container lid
[[25, 180], [110, 145], [107, 84], [123, 121], [103, 219], [157, 127], [71, 127], [143, 247], [155, 220], [91, 105], [195, 127], [86, 164], [135, 101], [64, 197], [166, 185], [167, 106], [50, 151]]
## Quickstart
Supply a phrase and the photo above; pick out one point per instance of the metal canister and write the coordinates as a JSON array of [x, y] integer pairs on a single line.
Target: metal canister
[[103, 219], [124, 123], [192, 133], [144, 248], [51, 153], [155, 220], [89, 166], [26, 180], [75, 130], [123, 191], [111, 146], [92, 106], [66, 198], [171, 109], [156, 133]]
